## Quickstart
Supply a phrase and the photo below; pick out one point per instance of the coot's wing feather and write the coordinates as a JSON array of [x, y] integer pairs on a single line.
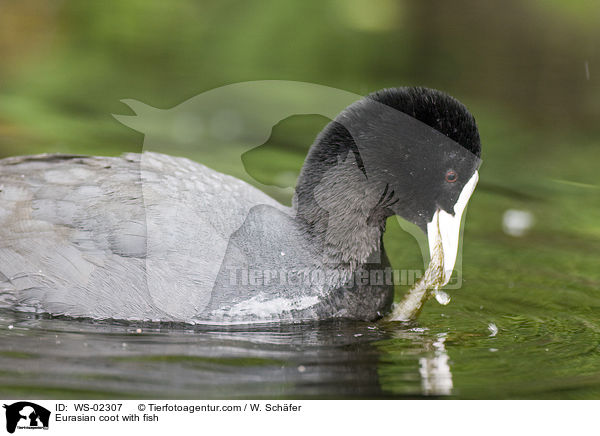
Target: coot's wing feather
[[134, 237], [191, 213]]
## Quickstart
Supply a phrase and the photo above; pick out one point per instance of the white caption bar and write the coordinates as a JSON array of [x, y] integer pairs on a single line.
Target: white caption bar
[[249, 417]]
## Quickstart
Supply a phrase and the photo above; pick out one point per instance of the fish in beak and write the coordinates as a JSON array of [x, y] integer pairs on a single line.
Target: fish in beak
[[443, 232]]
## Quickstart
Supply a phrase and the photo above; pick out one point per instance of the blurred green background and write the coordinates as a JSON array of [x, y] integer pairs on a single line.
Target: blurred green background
[[528, 70], [67, 64]]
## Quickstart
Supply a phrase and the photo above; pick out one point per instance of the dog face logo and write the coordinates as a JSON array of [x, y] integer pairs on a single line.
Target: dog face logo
[[26, 415]]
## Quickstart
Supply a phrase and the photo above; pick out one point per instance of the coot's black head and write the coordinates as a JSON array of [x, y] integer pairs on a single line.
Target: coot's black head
[[420, 144], [437, 110]]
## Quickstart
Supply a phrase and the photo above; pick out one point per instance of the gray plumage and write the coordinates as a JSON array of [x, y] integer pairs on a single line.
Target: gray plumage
[[153, 237], [137, 237]]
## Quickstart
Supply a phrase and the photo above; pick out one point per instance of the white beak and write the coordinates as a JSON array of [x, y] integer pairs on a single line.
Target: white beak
[[446, 228]]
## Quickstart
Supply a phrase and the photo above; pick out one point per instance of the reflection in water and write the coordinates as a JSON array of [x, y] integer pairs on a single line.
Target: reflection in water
[[56, 357], [42, 356], [415, 363], [436, 377]]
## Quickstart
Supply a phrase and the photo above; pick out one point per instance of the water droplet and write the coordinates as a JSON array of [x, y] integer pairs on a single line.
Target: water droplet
[[442, 297], [517, 222]]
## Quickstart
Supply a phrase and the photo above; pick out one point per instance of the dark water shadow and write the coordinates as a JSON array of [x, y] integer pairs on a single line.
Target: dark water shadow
[[43, 356]]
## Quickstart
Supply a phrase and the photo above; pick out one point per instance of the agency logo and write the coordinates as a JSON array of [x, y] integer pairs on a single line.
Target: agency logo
[[380, 167], [26, 415]]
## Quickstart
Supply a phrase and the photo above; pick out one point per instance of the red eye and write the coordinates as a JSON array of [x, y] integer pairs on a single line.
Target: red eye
[[451, 176]]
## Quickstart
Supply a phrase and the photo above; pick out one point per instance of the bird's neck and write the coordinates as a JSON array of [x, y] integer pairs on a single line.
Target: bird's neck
[[339, 212]]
